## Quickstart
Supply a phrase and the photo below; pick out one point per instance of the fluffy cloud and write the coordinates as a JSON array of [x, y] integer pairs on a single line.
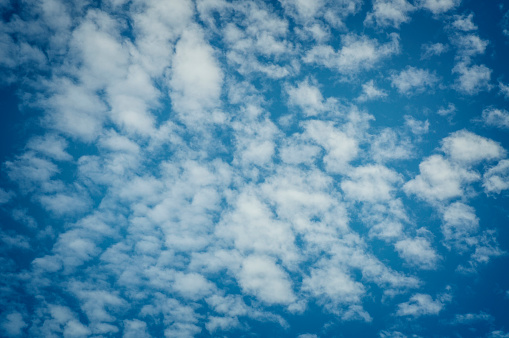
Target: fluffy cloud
[[418, 252], [496, 178], [413, 80], [370, 183], [356, 54], [439, 6], [439, 180], [472, 79], [420, 305], [262, 277], [370, 92], [494, 117], [390, 13], [468, 148]]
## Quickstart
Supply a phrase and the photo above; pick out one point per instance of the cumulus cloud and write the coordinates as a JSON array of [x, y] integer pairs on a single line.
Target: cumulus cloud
[[439, 180], [439, 6], [472, 79], [468, 148], [420, 305], [464, 23], [496, 178], [191, 168], [196, 77], [370, 183], [308, 98], [418, 252], [390, 13], [370, 92], [413, 80], [357, 53], [262, 277], [432, 49], [460, 223], [494, 117]]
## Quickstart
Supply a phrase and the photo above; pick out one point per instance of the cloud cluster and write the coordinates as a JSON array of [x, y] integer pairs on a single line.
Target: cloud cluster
[[218, 167]]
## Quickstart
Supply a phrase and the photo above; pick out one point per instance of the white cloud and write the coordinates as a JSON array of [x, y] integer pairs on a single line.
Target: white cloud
[[496, 178], [459, 225], [420, 305], [449, 111], [468, 148], [307, 97], [494, 117], [439, 6], [417, 252], [5, 196], [413, 80], [252, 227], [470, 318], [387, 145], [52, 146], [439, 180], [356, 54], [340, 148], [464, 23], [472, 79], [261, 277], [470, 45], [390, 13], [13, 324], [417, 127], [429, 50], [196, 79], [370, 183], [135, 329], [330, 283], [370, 92], [504, 89]]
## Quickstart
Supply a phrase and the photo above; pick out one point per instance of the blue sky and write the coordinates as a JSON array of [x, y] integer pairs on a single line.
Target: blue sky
[[285, 168]]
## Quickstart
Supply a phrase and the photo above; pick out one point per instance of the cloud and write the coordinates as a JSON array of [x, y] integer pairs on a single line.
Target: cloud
[[340, 148], [432, 49], [468, 148], [470, 45], [496, 178], [356, 54], [420, 305], [472, 79], [196, 79], [449, 111], [439, 6], [370, 92], [387, 145], [330, 284], [13, 324], [498, 118], [5, 196], [464, 23], [470, 318], [417, 127], [439, 180], [370, 183], [308, 98], [504, 89], [260, 276], [413, 80], [417, 252], [389, 13], [459, 226]]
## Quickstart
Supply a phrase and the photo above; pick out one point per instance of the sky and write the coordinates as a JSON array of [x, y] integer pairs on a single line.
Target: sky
[[291, 168]]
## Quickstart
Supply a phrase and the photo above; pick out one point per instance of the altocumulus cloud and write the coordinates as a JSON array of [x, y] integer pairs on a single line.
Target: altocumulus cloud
[[202, 168]]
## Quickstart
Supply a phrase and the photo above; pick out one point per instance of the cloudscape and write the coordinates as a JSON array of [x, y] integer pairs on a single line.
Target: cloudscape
[[291, 168]]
